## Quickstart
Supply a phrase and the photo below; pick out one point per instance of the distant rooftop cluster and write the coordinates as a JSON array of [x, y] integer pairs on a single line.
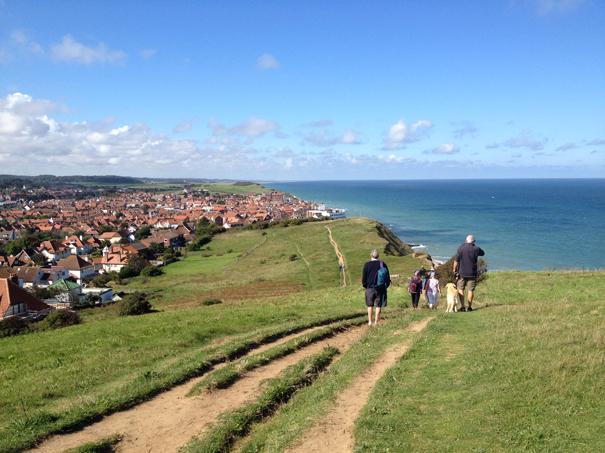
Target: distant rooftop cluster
[[50, 235]]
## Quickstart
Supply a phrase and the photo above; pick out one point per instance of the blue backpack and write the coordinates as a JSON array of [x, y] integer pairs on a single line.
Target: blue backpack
[[383, 279]]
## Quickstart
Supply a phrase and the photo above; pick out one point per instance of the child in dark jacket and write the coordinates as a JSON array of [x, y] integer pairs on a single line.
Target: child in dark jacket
[[415, 289]]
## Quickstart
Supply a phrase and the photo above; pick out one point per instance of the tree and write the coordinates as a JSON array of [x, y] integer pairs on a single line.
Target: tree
[[143, 232], [136, 264], [39, 259]]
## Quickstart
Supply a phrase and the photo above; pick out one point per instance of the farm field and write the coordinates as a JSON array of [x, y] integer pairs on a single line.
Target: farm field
[[227, 187], [289, 348]]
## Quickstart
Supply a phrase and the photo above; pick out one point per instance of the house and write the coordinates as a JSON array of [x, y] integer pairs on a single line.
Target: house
[[20, 259], [113, 259], [53, 250], [170, 239], [7, 234], [67, 291], [78, 267], [76, 245], [15, 301], [111, 236], [105, 295]]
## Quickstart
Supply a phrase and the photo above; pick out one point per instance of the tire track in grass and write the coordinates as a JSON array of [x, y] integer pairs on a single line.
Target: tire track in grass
[[334, 433], [168, 421]]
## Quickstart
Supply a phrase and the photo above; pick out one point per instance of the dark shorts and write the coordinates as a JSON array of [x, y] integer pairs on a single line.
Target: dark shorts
[[465, 282], [374, 298]]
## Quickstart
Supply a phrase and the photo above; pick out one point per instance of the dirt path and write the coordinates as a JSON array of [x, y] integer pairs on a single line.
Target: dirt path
[[335, 432], [341, 259], [168, 421]]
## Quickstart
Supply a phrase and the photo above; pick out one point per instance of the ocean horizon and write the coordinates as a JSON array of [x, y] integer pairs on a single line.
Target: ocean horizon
[[524, 224]]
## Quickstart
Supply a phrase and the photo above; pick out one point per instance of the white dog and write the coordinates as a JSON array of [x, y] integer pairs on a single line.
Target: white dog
[[452, 298]]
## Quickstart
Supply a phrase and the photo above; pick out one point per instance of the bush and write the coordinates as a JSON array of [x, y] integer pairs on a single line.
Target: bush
[[57, 319], [134, 304], [152, 271], [127, 272], [293, 257], [101, 280], [199, 242], [211, 302], [12, 326]]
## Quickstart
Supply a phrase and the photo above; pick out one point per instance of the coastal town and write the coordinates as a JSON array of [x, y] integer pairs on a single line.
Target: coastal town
[[61, 246]]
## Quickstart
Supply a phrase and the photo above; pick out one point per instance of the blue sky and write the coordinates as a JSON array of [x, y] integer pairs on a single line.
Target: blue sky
[[304, 90]]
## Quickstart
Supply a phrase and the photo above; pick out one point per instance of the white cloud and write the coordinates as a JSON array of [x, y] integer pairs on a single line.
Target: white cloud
[[18, 44], [183, 126], [70, 50], [256, 127], [400, 134], [445, 148], [36, 143], [245, 132], [22, 39], [324, 139], [596, 142], [319, 123], [464, 128], [148, 53], [525, 140], [545, 7], [267, 61]]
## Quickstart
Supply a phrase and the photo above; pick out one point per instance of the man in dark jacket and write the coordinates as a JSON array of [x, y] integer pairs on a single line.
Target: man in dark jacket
[[465, 270], [375, 296]]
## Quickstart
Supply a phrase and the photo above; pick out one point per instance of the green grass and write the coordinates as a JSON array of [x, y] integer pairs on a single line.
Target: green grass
[[239, 265], [106, 445], [52, 382], [212, 187], [526, 373], [237, 423], [233, 188], [226, 376], [312, 403]]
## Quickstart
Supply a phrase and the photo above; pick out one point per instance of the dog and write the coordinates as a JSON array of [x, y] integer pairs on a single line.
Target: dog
[[452, 298]]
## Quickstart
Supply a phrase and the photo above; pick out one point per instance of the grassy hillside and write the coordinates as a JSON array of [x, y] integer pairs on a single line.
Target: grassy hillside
[[277, 261], [51, 380], [523, 372]]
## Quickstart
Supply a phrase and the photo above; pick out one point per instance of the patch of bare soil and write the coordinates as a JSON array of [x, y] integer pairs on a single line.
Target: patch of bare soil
[[168, 421], [334, 433]]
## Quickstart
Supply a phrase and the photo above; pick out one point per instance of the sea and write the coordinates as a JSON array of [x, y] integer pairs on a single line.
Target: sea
[[537, 224]]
